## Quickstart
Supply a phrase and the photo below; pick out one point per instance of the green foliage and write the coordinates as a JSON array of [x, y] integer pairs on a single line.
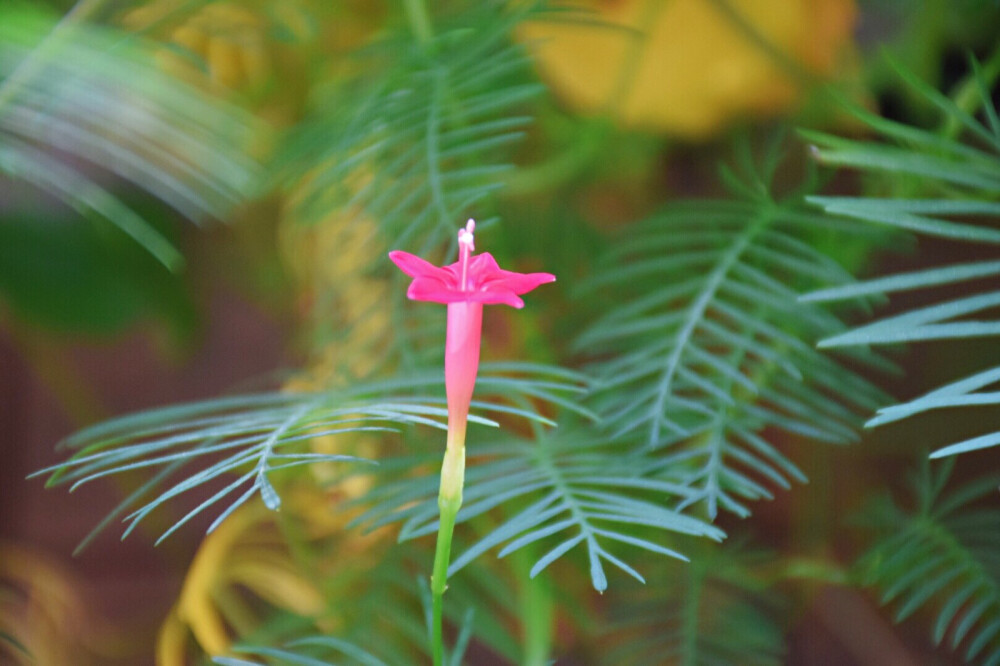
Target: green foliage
[[416, 139], [291, 656], [299, 652], [705, 345], [249, 436], [413, 141], [565, 485], [366, 631], [941, 554], [11, 643], [72, 89], [73, 277], [961, 180], [700, 366], [717, 610]]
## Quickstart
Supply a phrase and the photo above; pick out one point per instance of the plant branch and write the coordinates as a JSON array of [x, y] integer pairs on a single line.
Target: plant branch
[[449, 502], [419, 19], [968, 94]]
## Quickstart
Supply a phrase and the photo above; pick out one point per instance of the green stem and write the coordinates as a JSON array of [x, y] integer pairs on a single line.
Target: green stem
[[628, 70], [449, 502], [967, 95], [439, 580], [689, 617], [419, 19], [537, 610]]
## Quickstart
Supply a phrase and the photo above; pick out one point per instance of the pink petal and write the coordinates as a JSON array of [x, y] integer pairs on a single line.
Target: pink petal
[[433, 290], [482, 267], [502, 296], [485, 271], [415, 267], [489, 284], [522, 283]]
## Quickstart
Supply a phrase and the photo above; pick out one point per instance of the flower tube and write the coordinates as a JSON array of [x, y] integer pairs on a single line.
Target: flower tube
[[464, 286]]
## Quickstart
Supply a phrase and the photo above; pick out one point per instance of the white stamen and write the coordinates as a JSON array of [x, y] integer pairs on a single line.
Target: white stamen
[[466, 246], [465, 236]]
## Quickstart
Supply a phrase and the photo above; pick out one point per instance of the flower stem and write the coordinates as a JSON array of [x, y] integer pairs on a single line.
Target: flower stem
[[536, 609], [967, 95], [419, 19], [449, 502]]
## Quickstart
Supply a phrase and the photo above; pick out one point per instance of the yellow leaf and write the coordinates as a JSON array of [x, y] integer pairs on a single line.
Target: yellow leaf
[[686, 67]]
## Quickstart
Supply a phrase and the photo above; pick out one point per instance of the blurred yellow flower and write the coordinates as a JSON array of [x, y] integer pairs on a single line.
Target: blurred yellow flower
[[690, 67], [244, 552], [46, 616], [246, 561]]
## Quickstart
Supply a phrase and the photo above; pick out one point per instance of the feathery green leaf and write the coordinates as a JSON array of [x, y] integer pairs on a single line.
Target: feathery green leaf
[[244, 439], [967, 180], [62, 85], [941, 555], [706, 345]]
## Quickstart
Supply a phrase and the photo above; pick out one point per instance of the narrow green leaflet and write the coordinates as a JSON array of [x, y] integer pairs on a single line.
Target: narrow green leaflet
[[422, 144], [19, 647], [966, 179], [290, 655], [563, 490], [941, 556], [706, 345], [932, 277], [245, 440]]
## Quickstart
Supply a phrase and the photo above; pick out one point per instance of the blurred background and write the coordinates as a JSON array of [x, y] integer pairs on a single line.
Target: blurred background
[[176, 224]]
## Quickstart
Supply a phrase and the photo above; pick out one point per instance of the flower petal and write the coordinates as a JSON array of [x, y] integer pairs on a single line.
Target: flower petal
[[433, 290], [522, 283], [482, 267], [487, 282], [485, 272], [500, 296], [415, 267]]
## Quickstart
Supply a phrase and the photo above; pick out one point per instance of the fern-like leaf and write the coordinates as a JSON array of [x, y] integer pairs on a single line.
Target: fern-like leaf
[[963, 178], [565, 488], [247, 438], [716, 610], [708, 346], [941, 555], [417, 149], [63, 84]]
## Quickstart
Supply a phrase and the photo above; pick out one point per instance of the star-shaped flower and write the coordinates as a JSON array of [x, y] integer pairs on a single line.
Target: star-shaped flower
[[465, 287], [476, 279]]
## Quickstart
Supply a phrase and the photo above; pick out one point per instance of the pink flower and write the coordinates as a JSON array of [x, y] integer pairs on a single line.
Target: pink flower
[[471, 279], [465, 286]]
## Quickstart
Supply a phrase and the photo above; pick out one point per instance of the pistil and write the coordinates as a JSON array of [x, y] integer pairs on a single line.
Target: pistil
[[466, 246]]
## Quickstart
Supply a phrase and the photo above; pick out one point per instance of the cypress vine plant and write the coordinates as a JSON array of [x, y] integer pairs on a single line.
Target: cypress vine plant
[[691, 361]]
